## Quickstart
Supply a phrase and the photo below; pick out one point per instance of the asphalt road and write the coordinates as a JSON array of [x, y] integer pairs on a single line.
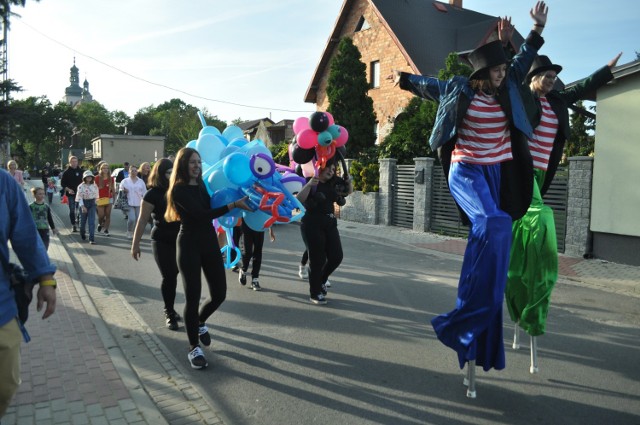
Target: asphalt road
[[371, 357]]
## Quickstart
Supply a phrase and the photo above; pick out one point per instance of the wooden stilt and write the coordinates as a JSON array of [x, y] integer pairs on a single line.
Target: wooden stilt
[[471, 377], [516, 337], [534, 355]]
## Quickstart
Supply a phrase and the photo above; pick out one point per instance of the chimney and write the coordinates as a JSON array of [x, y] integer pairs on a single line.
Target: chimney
[[456, 3]]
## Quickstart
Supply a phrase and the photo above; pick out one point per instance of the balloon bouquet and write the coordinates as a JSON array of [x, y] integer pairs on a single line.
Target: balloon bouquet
[[233, 168], [318, 139]]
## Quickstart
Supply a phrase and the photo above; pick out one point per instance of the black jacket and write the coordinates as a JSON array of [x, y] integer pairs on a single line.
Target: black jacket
[[560, 101], [71, 178]]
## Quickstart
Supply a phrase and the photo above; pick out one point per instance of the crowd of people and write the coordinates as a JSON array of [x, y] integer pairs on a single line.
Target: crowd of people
[[500, 136]]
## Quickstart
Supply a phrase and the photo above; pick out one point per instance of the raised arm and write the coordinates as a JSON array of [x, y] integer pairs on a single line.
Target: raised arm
[[599, 78]]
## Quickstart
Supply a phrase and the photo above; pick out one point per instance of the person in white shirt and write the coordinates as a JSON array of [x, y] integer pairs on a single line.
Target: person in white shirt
[[86, 196], [135, 189]]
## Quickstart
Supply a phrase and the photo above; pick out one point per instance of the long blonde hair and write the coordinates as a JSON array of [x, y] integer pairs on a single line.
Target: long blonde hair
[[105, 179], [179, 177]]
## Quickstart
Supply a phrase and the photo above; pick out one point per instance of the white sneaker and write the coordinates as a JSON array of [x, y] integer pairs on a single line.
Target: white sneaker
[[327, 284], [197, 359], [128, 235], [303, 271]]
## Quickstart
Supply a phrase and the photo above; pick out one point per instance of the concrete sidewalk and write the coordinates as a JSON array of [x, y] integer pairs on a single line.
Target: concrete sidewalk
[[96, 361]]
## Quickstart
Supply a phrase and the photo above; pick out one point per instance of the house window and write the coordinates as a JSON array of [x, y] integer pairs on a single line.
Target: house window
[[374, 68], [362, 24], [376, 128]]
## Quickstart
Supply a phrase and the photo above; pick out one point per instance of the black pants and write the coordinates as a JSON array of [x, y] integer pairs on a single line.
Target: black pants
[[198, 251], [44, 234], [165, 255], [237, 234], [321, 237], [252, 250], [305, 258]]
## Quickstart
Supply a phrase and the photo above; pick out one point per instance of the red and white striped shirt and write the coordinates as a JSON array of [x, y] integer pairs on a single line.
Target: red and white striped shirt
[[544, 134], [483, 137]]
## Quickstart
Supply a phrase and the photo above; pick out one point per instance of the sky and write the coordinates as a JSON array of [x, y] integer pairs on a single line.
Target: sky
[[250, 59]]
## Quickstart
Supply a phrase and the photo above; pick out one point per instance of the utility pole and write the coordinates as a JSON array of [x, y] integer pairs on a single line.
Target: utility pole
[[5, 145]]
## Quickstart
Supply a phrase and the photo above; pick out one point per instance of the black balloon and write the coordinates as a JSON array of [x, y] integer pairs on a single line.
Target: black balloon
[[319, 122], [300, 155]]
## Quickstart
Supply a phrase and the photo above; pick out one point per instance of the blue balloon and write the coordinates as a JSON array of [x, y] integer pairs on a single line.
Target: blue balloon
[[325, 138], [236, 169], [217, 180], [228, 151], [334, 130], [233, 132], [209, 130], [192, 144], [209, 147], [239, 142]]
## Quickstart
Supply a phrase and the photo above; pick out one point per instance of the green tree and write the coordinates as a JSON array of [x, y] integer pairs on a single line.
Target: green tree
[[349, 103], [92, 120], [413, 126], [121, 121], [581, 141]]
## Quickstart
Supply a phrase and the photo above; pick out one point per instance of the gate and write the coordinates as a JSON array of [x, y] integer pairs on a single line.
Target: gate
[[445, 218], [402, 207], [556, 199]]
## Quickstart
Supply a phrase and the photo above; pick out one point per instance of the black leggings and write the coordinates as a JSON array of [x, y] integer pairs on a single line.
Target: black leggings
[[305, 258], [165, 255], [253, 242], [321, 237], [198, 252]]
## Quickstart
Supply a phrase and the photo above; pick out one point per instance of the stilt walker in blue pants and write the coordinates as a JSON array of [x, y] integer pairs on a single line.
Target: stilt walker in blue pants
[[480, 133]]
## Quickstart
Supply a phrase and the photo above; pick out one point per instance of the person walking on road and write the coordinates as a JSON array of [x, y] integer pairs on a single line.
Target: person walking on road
[[86, 196], [106, 194], [163, 237], [252, 253], [198, 250], [41, 214], [533, 268], [489, 170], [17, 175], [135, 189], [71, 179], [17, 227], [319, 229]]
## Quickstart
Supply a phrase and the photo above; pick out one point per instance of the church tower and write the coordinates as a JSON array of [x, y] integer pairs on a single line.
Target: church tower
[[73, 93], [86, 96]]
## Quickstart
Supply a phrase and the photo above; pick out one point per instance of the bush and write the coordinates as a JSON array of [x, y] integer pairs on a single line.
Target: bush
[[365, 177], [280, 153]]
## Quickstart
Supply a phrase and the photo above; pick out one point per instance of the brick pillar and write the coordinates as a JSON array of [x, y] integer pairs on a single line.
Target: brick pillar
[[422, 194], [387, 177], [578, 236]]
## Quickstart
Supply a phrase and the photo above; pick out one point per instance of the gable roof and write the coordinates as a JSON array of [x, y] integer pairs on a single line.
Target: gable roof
[[425, 31], [248, 125]]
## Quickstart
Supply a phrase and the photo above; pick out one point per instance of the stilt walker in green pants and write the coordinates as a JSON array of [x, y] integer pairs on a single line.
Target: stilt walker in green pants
[[533, 267]]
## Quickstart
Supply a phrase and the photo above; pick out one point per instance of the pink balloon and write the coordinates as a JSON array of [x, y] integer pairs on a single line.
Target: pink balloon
[[307, 139], [308, 169], [331, 120], [300, 124], [343, 137]]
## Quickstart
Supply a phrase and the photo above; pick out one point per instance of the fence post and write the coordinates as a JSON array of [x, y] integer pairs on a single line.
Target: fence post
[[386, 191], [422, 194], [578, 236]]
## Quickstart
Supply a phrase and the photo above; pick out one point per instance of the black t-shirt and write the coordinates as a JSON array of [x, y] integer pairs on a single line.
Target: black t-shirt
[[71, 178], [162, 231], [321, 200], [193, 204]]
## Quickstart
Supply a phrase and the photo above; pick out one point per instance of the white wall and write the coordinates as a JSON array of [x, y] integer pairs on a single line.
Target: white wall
[[615, 205]]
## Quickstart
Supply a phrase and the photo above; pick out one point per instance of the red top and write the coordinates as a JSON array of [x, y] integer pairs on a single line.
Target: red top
[[103, 187]]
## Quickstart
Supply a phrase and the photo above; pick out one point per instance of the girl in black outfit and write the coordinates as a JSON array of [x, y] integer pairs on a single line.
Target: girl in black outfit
[[163, 237], [319, 229], [197, 247]]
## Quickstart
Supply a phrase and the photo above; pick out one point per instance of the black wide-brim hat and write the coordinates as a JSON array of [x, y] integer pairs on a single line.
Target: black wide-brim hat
[[542, 64], [485, 57]]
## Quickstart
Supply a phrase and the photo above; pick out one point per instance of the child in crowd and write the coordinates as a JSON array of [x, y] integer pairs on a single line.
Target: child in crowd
[[86, 196], [41, 214], [51, 188]]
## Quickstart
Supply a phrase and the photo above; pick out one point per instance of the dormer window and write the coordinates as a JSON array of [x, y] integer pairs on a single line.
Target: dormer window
[[362, 24]]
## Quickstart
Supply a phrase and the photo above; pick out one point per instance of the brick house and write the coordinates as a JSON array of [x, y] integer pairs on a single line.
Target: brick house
[[271, 133], [411, 35]]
